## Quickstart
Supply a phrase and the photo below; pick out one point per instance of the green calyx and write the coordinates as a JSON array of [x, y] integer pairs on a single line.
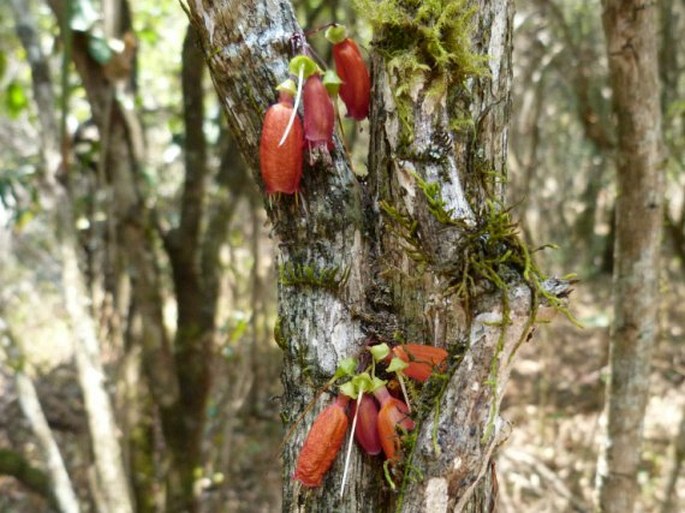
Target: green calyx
[[360, 384], [336, 34], [301, 64], [346, 367], [287, 86], [332, 82], [397, 364], [379, 351]]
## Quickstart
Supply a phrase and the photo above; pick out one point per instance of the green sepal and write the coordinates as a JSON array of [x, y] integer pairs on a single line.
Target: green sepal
[[379, 351], [377, 383], [348, 389], [332, 82], [346, 367], [397, 364], [288, 86], [363, 382], [305, 63], [336, 34]]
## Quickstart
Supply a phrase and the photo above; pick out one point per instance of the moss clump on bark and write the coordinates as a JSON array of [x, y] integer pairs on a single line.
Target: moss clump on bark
[[425, 42], [330, 278]]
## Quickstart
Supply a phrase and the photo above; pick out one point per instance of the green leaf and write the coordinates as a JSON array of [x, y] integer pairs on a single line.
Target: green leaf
[[15, 99]]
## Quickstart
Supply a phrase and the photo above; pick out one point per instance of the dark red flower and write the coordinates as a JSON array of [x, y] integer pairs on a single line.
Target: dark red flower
[[366, 431], [319, 116], [355, 90]]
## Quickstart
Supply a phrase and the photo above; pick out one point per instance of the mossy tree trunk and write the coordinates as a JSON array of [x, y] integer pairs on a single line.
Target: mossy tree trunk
[[422, 248]]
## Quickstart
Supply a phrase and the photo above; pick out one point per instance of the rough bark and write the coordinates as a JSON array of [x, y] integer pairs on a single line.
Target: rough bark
[[630, 28], [384, 291]]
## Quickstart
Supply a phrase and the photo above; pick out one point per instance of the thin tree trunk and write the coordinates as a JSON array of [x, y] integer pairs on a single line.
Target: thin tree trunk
[[369, 260], [107, 452], [631, 34], [62, 492]]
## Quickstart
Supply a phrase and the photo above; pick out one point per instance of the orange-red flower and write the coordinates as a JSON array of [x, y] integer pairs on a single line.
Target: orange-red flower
[[355, 90], [281, 165], [422, 360], [393, 416], [323, 443]]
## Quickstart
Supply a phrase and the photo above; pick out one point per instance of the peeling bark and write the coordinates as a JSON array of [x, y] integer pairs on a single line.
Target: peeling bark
[[386, 292]]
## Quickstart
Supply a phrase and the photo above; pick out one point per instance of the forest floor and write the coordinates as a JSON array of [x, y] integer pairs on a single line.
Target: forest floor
[[553, 401]]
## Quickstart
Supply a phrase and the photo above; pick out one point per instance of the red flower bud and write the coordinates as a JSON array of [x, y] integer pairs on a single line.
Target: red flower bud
[[281, 165], [322, 444], [422, 360], [366, 432], [356, 84], [319, 117], [393, 415]]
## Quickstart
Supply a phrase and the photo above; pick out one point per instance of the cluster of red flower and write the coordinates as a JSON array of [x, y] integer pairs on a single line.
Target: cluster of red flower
[[378, 418], [283, 134]]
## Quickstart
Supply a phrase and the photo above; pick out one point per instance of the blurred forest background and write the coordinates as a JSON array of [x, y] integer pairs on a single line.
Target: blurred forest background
[[154, 181]]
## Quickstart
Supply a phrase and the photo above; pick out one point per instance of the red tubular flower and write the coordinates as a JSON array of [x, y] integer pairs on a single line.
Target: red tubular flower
[[393, 415], [356, 87], [422, 359], [319, 116], [281, 165], [366, 432], [322, 444]]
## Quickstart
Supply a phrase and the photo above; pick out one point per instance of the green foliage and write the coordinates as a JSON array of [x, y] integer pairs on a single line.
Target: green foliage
[[15, 99], [331, 278], [406, 229]]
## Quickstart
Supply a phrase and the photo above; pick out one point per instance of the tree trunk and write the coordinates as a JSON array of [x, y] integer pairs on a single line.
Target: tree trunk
[[631, 35], [421, 249], [106, 449]]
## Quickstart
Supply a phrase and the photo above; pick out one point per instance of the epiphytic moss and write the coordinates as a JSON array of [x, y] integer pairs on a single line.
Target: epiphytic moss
[[331, 278], [425, 42]]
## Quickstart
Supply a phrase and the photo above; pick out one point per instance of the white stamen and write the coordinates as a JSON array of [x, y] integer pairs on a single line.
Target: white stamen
[[404, 392], [300, 79], [349, 444]]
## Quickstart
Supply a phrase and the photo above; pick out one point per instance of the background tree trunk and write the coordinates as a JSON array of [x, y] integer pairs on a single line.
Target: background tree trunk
[[386, 256], [631, 34]]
